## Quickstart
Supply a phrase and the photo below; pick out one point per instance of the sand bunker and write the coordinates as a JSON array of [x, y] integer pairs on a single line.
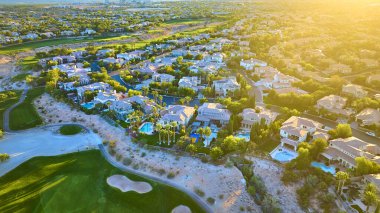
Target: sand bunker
[[124, 184], [181, 209]]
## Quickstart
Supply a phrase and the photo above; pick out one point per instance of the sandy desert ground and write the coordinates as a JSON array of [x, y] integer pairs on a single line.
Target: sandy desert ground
[[225, 185]]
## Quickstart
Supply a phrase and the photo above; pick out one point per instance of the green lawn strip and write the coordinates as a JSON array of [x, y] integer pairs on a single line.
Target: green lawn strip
[[5, 104], [9, 50], [29, 63], [70, 129], [19, 77], [25, 116], [77, 183], [155, 139]]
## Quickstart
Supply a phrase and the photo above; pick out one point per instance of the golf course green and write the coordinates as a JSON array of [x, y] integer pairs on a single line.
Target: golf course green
[[77, 183]]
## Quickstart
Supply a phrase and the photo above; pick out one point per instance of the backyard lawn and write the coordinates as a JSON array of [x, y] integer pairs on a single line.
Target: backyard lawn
[[77, 183], [5, 104], [25, 116]]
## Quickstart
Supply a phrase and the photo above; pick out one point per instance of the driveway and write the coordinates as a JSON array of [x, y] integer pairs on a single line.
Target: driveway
[[44, 141]]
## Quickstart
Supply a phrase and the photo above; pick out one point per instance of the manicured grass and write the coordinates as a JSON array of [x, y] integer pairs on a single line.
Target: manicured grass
[[19, 77], [25, 116], [357, 208], [29, 63], [77, 183], [70, 129], [154, 140], [9, 50], [5, 104]]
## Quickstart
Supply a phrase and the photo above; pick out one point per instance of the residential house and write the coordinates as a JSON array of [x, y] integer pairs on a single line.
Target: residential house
[[104, 97], [104, 52], [223, 86], [189, 82], [252, 63], [354, 90], [111, 60], [179, 114], [92, 87], [344, 151], [88, 32], [368, 117], [334, 104], [122, 108], [213, 112], [163, 77], [296, 129], [251, 116]]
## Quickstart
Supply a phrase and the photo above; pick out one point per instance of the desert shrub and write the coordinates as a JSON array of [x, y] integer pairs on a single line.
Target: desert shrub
[[211, 200], [199, 192]]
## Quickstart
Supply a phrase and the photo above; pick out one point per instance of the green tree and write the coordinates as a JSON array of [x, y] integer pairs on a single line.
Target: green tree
[[191, 148], [365, 166], [303, 160], [216, 152], [342, 177]]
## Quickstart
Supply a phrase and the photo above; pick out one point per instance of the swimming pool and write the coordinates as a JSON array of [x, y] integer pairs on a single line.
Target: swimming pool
[[147, 128], [283, 155], [88, 105], [244, 135], [327, 169]]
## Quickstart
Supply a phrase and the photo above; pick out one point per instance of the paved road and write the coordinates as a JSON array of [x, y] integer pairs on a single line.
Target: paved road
[[120, 166], [355, 132], [7, 111]]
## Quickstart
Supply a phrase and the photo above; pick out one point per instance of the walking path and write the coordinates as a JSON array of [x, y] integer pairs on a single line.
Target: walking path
[[120, 166], [7, 111], [43, 141]]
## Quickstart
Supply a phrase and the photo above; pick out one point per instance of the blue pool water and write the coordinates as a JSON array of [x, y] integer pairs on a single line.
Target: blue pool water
[[147, 128], [195, 137], [245, 136], [283, 155], [88, 105], [329, 169]]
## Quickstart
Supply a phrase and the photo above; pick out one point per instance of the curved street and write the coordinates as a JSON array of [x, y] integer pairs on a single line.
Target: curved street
[[7, 111]]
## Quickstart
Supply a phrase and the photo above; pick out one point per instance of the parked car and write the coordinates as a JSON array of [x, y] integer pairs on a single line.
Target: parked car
[[371, 134]]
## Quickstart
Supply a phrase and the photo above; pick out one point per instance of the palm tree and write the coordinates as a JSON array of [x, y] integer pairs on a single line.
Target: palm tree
[[145, 90], [201, 131], [168, 131], [159, 129], [207, 131], [155, 95], [341, 177], [370, 198], [173, 125], [160, 98], [187, 99]]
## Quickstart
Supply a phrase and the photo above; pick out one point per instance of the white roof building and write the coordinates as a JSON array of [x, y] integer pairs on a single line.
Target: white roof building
[[252, 63], [295, 130], [368, 117], [223, 86], [213, 112], [334, 104], [251, 116], [163, 77], [354, 90], [189, 82], [176, 113], [346, 150]]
